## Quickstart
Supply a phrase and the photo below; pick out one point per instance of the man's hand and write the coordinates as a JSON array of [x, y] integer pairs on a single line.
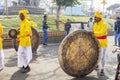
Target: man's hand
[[119, 77], [18, 40], [28, 34], [113, 51]]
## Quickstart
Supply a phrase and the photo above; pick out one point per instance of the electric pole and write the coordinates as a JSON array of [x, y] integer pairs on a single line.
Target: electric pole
[[6, 8], [103, 2]]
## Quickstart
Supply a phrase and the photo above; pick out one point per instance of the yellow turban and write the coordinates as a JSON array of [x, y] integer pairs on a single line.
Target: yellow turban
[[98, 14], [24, 12], [28, 18]]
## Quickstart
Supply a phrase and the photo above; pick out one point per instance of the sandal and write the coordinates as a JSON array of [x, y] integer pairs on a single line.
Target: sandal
[[102, 73]]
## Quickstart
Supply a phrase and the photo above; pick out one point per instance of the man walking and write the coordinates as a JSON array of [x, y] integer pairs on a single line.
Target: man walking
[[45, 27], [24, 50], [1, 49], [100, 31], [117, 30], [67, 27]]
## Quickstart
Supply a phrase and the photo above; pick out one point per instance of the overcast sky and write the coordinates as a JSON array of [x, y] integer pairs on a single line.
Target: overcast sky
[[97, 3], [99, 7]]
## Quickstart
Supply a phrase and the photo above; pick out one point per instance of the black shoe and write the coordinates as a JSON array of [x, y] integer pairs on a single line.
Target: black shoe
[[44, 44], [115, 45], [22, 69], [25, 70]]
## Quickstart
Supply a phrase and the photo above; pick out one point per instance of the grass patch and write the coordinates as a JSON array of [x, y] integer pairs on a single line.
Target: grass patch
[[13, 21]]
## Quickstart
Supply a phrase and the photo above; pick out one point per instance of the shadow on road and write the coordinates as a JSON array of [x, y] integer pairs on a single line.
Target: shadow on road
[[19, 76], [85, 78], [105, 77], [12, 61], [51, 50]]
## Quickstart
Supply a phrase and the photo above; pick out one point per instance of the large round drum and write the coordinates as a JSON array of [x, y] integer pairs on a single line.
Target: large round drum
[[79, 53], [35, 40]]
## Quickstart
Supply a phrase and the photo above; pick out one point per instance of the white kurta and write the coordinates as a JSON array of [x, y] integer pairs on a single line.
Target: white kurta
[[1, 59], [102, 58], [91, 24], [24, 56]]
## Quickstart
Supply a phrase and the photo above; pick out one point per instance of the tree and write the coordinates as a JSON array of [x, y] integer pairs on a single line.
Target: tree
[[64, 3]]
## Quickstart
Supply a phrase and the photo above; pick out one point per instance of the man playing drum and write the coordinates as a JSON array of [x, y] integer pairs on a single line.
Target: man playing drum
[[100, 31], [24, 50]]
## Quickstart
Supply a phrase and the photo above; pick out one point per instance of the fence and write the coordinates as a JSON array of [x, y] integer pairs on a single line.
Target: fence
[[54, 37]]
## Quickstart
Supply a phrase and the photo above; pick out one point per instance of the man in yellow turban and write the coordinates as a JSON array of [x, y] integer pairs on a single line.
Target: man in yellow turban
[[100, 31], [24, 50], [1, 49]]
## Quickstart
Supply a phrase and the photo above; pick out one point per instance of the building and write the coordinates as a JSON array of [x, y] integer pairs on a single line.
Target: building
[[76, 11], [13, 6], [21, 2], [114, 10]]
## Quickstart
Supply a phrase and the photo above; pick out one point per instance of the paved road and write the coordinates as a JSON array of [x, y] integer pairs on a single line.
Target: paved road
[[45, 66]]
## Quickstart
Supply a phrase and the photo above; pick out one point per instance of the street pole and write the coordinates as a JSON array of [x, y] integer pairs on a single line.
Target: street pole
[[103, 8], [103, 2], [91, 6], [6, 8]]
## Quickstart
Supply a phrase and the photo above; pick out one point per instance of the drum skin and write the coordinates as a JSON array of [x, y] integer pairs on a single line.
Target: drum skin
[[12, 33], [78, 53], [35, 41]]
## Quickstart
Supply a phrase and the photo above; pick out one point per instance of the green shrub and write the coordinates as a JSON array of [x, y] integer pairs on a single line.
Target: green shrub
[[14, 22]]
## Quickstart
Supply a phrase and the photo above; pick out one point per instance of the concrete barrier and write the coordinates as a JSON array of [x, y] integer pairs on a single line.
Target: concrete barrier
[[54, 37]]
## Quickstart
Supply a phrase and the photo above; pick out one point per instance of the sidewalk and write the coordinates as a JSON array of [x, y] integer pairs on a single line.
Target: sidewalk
[[45, 65]]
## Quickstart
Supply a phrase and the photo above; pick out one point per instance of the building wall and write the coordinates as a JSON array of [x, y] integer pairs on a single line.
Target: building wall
[[76, 10], [34, 2]]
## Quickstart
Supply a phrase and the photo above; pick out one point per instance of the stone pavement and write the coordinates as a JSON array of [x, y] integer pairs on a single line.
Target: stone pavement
[[45, 66]]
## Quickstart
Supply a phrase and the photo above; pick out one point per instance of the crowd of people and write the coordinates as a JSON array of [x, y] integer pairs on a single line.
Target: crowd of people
[[98, 27]]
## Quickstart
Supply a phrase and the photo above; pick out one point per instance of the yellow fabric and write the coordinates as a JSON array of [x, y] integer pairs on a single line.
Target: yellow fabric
[[28, 18], [98, 14], [33, 24], [24, 12], [25, 29], [100, 29], [1, 32]]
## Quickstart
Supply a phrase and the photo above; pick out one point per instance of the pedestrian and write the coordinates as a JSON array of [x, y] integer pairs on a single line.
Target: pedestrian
[[1, 49], [90, 24], [67, 27], [45, 30], [100, 31], [24, 49], [117, 31], [117, 75]]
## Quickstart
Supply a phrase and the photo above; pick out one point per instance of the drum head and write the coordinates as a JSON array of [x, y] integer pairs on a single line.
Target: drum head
[[79, 53], [12, 33]]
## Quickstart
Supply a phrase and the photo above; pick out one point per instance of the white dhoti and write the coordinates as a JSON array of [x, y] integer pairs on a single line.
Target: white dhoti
[[103, 58], [1, 59], [24, 56]]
